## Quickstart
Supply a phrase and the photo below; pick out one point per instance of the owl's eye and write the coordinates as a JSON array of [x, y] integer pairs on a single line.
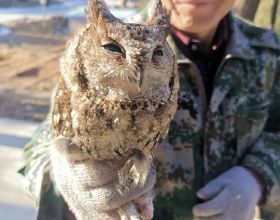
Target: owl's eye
[[111, 47], [158, 52]]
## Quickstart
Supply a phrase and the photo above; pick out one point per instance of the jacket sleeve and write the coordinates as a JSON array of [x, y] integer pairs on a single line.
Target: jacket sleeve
[[264, 157], [36, 158], [38, 180]]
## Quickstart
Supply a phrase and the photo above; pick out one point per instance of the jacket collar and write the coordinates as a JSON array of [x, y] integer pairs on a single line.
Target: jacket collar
[[243, 40], [238, 45], [246, 36]]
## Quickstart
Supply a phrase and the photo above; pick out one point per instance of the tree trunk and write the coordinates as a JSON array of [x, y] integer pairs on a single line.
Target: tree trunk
[[274, 10], [246, 8], [123, 3]]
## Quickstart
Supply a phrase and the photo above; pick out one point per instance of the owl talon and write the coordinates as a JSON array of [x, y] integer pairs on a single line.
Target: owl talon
[[126, 186], [121, 152]]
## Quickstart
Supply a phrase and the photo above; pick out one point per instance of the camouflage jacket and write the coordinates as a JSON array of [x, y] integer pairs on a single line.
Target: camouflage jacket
[[240, 126]]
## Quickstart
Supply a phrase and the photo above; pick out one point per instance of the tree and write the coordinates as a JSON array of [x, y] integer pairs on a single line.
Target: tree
[[246, 8], [274, 10], [43, 2], [123, 3]]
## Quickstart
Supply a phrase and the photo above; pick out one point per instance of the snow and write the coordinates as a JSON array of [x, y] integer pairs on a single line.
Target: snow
[[4, 31], [69, 9]]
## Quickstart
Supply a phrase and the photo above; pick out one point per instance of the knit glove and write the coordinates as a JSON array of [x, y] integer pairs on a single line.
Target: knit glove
[[231, 196], [92, 188]]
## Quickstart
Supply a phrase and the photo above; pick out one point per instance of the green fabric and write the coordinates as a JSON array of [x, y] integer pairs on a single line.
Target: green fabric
[[32, 149]]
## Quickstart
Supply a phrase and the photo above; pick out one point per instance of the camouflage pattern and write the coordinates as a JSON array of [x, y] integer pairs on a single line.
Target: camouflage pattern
[[240, 126]]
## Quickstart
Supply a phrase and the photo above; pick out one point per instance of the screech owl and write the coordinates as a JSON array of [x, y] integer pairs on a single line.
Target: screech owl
[[118, 89]]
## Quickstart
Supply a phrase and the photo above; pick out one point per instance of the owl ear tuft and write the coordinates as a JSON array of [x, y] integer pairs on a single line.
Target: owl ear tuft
[[159, 15], [98, 13]]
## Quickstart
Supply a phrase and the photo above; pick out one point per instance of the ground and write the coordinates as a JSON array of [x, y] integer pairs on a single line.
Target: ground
[[29, 64], [30, 49], [29, 70]]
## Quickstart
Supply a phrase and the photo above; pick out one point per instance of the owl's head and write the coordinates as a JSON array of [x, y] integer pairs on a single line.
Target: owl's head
[[126, 60]]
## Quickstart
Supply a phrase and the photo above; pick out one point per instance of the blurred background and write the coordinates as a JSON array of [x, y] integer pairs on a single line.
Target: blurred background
[[32, 38]]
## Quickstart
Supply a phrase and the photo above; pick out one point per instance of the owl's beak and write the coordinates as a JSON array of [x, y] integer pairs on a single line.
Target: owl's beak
[[141, 78]]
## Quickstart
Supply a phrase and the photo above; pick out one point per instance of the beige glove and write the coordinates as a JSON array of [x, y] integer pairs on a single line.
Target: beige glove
[[231, 196], [92, 188]]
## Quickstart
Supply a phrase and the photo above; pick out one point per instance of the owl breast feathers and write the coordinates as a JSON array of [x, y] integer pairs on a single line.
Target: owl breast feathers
[[119, 85]]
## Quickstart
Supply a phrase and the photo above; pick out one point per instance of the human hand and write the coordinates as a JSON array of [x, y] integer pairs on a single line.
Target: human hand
[[92, 188], [231, 196]]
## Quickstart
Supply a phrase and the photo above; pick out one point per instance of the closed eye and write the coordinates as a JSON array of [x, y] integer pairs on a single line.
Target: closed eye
[[158, 52], [111, 47]]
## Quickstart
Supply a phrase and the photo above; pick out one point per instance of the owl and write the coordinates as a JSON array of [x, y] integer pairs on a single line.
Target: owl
[[118, 89]]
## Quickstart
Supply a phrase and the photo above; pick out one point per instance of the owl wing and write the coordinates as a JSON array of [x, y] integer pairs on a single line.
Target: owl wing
[[61, 111], [171, 105]]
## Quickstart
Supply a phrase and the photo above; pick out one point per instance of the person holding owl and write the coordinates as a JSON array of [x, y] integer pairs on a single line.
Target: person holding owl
[[221, 158]]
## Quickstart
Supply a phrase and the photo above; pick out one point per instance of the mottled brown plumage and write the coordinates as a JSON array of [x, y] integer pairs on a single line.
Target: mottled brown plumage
[[118, 90]]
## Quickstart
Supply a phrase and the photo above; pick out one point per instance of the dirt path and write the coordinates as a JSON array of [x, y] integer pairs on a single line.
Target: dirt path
[[29, 70], [29, 66]]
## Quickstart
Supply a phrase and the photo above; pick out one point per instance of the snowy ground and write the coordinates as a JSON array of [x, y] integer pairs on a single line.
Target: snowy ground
[[14, 202], [70, 9], [73, 10]]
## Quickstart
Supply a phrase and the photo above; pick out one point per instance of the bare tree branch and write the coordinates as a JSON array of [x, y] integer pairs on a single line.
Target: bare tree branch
[[246, 8]]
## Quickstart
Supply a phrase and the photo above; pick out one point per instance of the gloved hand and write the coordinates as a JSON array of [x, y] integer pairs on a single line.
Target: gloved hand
[[231, 196], [92, 188]]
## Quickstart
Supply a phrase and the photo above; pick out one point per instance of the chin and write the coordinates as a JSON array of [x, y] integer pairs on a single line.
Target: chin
[[193, 24]]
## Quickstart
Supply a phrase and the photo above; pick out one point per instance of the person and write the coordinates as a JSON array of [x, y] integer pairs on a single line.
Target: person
[[221, 158]]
